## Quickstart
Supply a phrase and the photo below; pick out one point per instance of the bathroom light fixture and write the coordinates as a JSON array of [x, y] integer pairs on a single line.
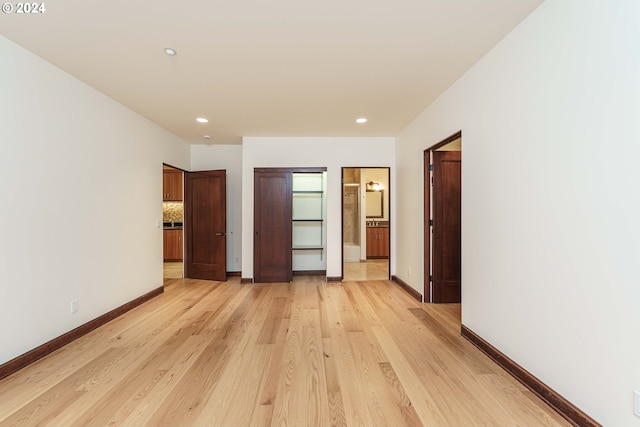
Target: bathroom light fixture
[[361, 120], [202, 120], [169, 51]]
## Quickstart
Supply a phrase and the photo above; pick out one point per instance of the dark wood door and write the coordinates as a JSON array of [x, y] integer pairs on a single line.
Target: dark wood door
[[447, 178], [206, 225], [272, 244]]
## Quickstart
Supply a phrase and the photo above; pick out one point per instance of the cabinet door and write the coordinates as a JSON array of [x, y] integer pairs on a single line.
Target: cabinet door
[[384, 242], [166, 244], [171, 185], [371, 242], [167, 183], [177, 245], [377, 242], [176, 186], [172, 245]]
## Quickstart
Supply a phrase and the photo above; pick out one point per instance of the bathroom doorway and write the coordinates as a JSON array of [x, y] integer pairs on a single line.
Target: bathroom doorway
[[365, 223]]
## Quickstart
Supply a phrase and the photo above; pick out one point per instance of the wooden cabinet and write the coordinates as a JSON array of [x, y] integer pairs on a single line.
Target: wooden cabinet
[[172, 245], [377, 242], [171, 185]]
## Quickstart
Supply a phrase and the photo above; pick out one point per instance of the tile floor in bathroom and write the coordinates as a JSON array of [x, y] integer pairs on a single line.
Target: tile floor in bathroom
[[371, 269]]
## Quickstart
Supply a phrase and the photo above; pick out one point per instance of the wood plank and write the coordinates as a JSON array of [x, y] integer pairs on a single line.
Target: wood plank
[[271, 325], [237, 392], [123, 399]]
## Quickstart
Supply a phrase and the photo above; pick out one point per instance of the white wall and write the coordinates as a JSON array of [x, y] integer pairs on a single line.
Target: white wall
[[229, 157], [81, 191], [332, 153], [551, 236]]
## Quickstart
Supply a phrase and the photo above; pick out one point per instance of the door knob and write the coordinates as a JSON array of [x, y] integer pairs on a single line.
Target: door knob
[[221, 234]]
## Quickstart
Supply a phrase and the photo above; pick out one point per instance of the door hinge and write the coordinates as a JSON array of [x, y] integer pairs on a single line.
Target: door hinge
[[430, 278], [431, 167], [430, 223]]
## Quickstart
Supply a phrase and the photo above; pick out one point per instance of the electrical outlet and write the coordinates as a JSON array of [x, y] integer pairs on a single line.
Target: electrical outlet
[[409, 271], [636, 403], [74, 307]]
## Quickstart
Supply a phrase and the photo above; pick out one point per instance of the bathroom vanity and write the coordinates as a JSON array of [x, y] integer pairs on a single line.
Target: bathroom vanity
[[378, 241]]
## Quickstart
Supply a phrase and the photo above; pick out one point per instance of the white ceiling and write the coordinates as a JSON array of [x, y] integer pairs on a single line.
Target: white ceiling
[[269, 68]]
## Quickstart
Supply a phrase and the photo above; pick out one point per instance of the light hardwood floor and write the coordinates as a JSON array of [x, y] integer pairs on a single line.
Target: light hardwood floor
[[305, 353]]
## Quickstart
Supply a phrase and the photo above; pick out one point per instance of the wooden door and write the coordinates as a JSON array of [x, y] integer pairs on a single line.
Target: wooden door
[[447, 179], [206, 225], [272, 244]]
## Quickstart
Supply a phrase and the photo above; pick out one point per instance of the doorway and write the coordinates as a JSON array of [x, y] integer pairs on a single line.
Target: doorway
[[194, 224], [442, 221], [172, 222], [365, 223]]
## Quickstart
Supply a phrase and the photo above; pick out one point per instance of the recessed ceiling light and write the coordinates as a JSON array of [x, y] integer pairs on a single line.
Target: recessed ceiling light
[[170, 51], [206, 136], [361, 120], [202, 120]]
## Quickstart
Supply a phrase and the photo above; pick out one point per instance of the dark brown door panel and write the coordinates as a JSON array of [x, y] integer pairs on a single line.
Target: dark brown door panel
[[447, 179], [272, 227], [206, 222]]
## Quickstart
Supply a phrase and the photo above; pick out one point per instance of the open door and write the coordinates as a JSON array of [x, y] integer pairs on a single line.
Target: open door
[[447, 181], [206, 225]]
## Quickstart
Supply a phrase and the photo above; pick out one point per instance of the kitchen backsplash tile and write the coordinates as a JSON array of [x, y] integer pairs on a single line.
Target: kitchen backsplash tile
[[172, 211]]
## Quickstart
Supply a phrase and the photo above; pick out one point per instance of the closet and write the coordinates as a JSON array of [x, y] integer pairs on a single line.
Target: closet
[[289, 223]]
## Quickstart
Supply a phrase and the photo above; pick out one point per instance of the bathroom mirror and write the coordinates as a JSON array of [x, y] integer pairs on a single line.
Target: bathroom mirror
[[375, 204]]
